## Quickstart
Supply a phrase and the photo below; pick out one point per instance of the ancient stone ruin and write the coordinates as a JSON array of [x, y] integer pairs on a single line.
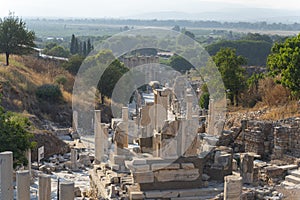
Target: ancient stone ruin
[[167, 148]]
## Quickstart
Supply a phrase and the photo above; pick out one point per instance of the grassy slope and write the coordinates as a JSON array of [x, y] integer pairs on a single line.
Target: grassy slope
[[19, 82]]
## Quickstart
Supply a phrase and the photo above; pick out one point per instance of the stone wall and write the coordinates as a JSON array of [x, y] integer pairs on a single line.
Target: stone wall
[[270, 140]]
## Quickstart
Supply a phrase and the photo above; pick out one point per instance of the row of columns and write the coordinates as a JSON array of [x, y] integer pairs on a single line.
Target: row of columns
[[23, 182]]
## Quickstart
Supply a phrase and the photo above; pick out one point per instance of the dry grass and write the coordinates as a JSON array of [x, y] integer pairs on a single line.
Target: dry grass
[[282, 112], [273, 94], [20, 79]]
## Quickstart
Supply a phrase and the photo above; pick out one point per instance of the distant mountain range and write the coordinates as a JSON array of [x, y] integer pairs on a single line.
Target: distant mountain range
[[228, 14]]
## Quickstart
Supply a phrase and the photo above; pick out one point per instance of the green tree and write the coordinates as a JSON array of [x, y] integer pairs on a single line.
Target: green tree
[[84, 50], [284, 62], [180, 64], [253, 81], [14, 37], [176, 28], [229, 65], [204, 98], [110, 78], [73, 64], [76, 46], [49, 92], [72, 46], [89, 46], [14, 136], [58, 51], [189, 34]]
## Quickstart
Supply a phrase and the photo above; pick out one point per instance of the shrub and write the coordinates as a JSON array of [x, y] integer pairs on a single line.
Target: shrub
[[73, 64], [49, 92], [273, 94], [14, 136], [204, 100], [61, 80]]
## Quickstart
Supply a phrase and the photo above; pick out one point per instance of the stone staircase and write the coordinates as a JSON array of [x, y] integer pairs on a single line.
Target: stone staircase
[[292, 179]]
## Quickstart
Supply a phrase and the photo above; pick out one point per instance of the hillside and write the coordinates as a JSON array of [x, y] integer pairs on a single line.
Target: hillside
[[19, 83], [256, 52]]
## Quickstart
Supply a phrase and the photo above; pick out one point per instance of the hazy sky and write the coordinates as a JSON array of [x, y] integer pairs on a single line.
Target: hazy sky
[[123, 8]]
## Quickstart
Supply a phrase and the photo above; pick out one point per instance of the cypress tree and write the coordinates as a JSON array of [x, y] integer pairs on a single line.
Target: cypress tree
[[76, 46], [84, 49], [80, 49], [72, 46], [89, 46]]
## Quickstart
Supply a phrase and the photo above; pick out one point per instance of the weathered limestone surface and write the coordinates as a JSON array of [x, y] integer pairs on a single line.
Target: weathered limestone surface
[[247, 168], [233, 187], [144, 177], [44, 187], [23, 185], [177, 175], [66, 191], [6, 175], [99, 152]]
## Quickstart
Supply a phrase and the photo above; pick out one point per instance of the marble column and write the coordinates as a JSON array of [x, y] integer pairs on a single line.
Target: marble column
[[189, 106], [75, 120], [74, 158], [6, 175], [99, 149], [44, 187], [23, 185], [66, 191], [125, 120], [28, 156]]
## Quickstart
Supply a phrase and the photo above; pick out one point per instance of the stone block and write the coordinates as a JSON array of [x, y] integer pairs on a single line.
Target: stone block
[[187, 165], [143, 177], [137, 196], [139, 162], [118, 159], [154, 194], [141, 168], [158, 166], [177, 175]]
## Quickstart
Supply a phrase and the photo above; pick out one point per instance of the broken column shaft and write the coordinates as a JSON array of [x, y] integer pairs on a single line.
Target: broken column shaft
[[99, 148], [23, 185], [44, 187], [6, 175], [66, 191]]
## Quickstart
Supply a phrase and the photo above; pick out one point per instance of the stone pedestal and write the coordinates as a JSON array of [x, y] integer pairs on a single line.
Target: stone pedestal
[[233, 187], [6, 175], [66, 191], [247, 168], [23, 185], [44, 187]]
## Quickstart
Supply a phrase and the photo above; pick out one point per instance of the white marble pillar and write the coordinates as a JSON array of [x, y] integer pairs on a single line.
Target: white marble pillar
[[189, 106], [44, 187], [28, 156], [75, 120], [66, 191], [125, 120], [74, 158], [6, 175], [99, 150], [23, 185]]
